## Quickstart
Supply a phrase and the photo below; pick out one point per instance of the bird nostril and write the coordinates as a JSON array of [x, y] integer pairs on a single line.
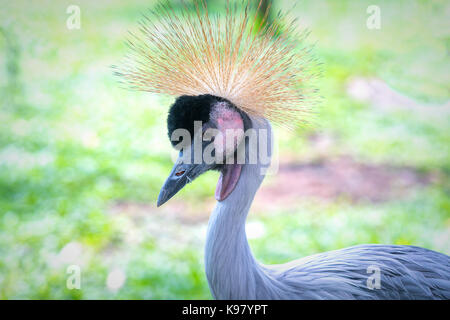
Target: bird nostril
[[179, 173]]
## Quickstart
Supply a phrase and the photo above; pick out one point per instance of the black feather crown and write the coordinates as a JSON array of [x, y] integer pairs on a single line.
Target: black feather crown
[[187, 109]]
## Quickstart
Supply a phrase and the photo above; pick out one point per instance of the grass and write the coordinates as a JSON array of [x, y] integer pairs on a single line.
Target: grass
[[74, 146]]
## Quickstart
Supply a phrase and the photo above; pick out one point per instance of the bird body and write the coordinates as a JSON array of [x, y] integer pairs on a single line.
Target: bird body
[[406, 272], [233, 75]]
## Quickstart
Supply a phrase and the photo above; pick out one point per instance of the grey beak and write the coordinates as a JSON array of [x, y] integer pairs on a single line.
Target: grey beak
[[180, 175], [177, 179]]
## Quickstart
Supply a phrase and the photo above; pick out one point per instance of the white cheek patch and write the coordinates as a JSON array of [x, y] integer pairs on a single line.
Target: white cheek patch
[[231, 129]]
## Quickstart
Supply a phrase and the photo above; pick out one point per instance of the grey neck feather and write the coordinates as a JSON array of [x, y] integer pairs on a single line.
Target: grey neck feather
[[231, 269]]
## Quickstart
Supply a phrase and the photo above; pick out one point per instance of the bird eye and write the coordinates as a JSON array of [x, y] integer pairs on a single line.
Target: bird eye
[[179, 173]]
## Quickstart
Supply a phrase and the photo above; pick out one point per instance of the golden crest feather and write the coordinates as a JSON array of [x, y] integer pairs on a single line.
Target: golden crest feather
[[259, 64]]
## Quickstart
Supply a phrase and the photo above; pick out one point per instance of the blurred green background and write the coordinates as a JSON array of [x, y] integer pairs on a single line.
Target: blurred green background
[[82, 160]]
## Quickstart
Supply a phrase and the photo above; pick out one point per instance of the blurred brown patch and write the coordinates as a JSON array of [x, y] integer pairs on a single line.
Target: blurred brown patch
[[342, 177]]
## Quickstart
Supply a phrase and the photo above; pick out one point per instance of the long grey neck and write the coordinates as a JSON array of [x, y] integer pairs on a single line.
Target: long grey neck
[[231, 269]]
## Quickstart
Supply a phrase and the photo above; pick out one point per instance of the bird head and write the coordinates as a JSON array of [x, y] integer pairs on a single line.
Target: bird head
[[225, 69], [208, 132]]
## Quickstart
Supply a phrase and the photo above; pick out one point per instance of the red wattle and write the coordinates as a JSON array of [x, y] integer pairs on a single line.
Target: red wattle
[[228, 180]]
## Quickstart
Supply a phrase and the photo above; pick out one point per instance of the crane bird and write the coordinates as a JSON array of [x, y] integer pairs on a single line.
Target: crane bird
[[232, 75]]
